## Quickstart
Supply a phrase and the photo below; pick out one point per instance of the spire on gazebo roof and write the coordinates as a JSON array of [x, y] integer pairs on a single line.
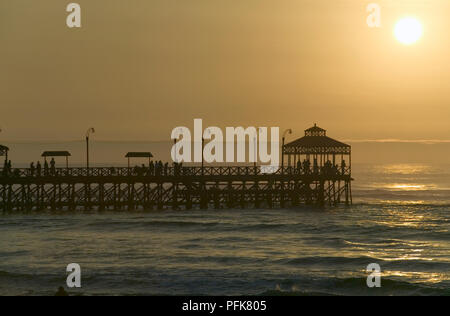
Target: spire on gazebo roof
[[315, 131]]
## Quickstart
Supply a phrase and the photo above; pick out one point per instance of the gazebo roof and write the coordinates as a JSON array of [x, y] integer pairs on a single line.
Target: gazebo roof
[[315, 141], [55, 154], [139, 155]]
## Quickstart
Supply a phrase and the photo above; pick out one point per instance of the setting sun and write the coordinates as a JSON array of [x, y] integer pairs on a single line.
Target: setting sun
[[408, 31]]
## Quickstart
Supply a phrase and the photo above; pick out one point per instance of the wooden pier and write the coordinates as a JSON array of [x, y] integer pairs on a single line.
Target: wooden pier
[[176, 188], [318, 172]]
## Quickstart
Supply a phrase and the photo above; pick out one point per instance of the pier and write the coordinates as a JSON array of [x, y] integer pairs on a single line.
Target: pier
[[318, 172]]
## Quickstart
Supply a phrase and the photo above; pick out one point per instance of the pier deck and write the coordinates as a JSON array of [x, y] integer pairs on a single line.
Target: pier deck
[[173, 187]]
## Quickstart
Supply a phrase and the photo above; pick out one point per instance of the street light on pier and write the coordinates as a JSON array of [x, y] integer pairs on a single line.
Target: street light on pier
[[4, 151], [180, 130], [282, 146], [89, 131], [255, 148], [203, 159]]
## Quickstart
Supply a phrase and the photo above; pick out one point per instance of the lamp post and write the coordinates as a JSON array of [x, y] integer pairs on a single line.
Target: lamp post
[[175, 145], [282, 146], [203, 145], [255, 148], [89, 131], [6, 154], [175, 150]]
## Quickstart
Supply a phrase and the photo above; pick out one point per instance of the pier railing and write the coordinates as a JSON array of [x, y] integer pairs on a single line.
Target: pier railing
[[169, 171]]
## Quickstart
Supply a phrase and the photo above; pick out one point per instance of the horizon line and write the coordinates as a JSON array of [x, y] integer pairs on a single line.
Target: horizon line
[[383, 140]]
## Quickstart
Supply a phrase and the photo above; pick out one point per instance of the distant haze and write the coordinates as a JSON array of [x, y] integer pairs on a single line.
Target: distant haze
[[113, 153]]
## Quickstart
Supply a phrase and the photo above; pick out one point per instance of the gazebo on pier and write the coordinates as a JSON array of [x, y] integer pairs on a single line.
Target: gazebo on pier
[[53, 154], [325, 164], [146, 155], [318, 150]]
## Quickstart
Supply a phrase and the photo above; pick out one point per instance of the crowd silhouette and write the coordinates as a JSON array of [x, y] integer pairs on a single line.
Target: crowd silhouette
[[160, 168]]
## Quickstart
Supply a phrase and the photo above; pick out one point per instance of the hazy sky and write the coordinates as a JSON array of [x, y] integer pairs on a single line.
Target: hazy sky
[[138, 68]]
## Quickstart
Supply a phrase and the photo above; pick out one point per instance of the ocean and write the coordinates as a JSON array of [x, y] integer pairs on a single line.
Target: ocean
[[400, 220]]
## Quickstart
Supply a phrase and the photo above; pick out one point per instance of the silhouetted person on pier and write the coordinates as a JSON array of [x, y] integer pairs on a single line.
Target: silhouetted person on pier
[[32, 169], [166, 168], [46, 168], [61, 292], [315, 167], [140, 170], [38, 168], [152, 168], [52, 166], [5, 168], [343, 165], [299, 166], [159, 168], [156, 168], [327, 167], [306, 166]]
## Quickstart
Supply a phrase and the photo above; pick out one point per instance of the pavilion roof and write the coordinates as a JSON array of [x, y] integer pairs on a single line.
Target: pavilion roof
[[55, 154], [316, 141], [139, 155]]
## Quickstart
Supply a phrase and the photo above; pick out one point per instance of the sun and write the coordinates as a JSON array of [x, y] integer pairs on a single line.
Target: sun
[[408, 31]]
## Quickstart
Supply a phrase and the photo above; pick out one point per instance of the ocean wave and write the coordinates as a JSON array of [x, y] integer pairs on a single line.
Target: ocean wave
[[322, 260], [357, 263], [158, 223], [12, 275], [354, 286], [367, 202]]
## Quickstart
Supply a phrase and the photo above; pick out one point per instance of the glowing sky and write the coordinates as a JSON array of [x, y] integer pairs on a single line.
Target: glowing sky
[[138, 68]]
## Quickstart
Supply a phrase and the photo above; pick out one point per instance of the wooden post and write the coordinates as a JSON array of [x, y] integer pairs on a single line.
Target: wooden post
[[87, 153]]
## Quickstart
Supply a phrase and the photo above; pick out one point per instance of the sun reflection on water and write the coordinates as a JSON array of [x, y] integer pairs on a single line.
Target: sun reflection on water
[[406, 186], [404, 169], [428, 277]]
